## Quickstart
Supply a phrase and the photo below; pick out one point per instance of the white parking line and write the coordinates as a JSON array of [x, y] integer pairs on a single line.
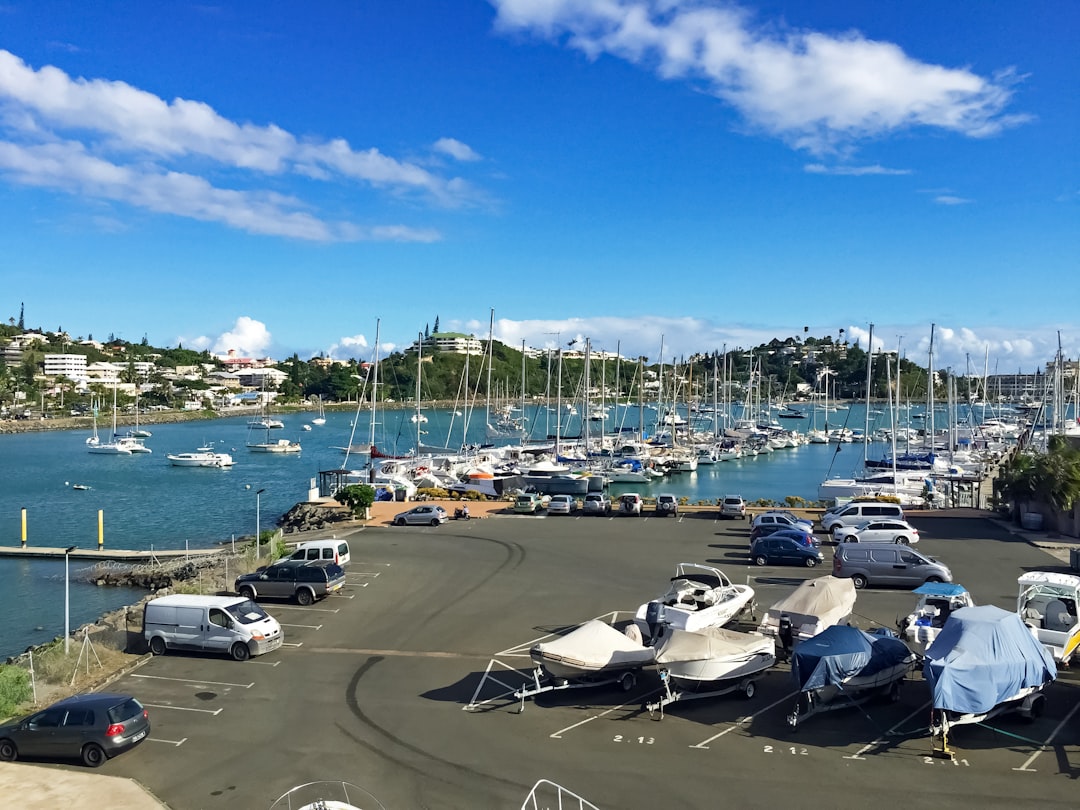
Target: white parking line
[[177, 743], [214, 712], [387, 565], [305, 626], [194, 681], [292, 644], [558, 734], [363, 574], [859, 754], [744, 720], [1046, 744], [340, 595], [264, 663], [309, 609]]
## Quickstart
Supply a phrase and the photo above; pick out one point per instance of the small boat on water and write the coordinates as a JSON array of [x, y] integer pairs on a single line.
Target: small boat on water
[[697, 597], [844, 666], [984, 662], [203, 457]]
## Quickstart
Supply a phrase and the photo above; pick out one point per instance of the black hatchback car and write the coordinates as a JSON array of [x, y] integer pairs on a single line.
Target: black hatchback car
[[91, 727], [784, 550]]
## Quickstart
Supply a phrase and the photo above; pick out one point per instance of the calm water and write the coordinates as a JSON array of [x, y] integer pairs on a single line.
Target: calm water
[[147, 502]]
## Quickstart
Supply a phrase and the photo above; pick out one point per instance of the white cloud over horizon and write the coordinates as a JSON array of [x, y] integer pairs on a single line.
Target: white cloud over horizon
[[818, 92], [112, 141]]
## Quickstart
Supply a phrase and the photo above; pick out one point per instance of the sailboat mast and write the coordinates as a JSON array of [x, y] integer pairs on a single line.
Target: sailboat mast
[[491, 337], [419, 366], [558, 406], [869, 379], [930, 389], [374, 384]]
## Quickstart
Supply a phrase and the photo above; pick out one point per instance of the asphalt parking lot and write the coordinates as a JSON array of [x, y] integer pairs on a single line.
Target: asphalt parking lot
[[383, 686]]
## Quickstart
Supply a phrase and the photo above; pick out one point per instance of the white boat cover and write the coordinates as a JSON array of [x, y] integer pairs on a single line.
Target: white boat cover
[[823, 601], [713, 643], [593, 647]]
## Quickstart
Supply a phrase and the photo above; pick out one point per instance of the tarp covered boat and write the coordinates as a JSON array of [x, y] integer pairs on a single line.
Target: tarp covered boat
[[813, 606], [594, 648], [709, 658], [984, 657]]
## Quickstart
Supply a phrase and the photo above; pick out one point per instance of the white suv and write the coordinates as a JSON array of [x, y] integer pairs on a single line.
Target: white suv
[[733, 506], [596, 503]]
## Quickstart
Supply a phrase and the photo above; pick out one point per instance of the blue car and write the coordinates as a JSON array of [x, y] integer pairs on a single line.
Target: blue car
[[780, 550]]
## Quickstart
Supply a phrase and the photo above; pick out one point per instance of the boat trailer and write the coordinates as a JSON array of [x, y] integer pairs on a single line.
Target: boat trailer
[[747, 686], [807, 706], [541, 682]]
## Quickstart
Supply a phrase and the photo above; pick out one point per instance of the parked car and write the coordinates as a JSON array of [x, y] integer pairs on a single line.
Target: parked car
[[887, 564], [528, 503], [630, 504], [801, 536], [785, 551], [596, 503], [782, 518], [223, 624], [733, 506], [667, 505], [561, 505], [91, 727], [424, 515], [336, 551], [877, 531], [858, 511], [769, 529], [292, 579]]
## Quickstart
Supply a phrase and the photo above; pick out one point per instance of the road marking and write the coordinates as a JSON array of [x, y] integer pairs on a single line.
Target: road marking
[[341, 595], [398, 653], [214, 712], [306, 626], [558, 734], [194, 681], [859, 754], [309, 609], [265, 663], [742, 721], [167, 742], [387, 565], [1046, 744], [292, 644], [363, 574]]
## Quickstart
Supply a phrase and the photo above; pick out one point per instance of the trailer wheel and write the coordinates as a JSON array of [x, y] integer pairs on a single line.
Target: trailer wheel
[[1038, 704], [628, 681], [748, 690], [894, 692]]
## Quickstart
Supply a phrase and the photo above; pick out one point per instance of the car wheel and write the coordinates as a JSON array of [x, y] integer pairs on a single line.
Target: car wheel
[[811, 562], [304, 597], [761, 559], [8, 751], [93, 755], [157, 645], [240, 652], [934, 579], [399, 522], [859, 581], [900, 539], [434, 521], [247, 592]]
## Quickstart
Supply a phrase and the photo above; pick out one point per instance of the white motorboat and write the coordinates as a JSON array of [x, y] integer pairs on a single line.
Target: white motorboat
[[1047, 604], [592, 650], [203, 457], [808, 610], [843, 666], [698, 597], [711, 658], [279, 446], [984, 662], [937, 601], [334, 795]]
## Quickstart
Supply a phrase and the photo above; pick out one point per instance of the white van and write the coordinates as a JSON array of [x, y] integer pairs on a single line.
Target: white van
[[335, 551], [860, 511], [227, 624]]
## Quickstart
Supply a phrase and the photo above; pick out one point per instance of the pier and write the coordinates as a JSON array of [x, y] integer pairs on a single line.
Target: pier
[[120, 555]]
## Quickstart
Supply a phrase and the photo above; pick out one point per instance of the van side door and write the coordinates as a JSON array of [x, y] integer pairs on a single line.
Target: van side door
[[886, 566], [190, 623], [218, 634]]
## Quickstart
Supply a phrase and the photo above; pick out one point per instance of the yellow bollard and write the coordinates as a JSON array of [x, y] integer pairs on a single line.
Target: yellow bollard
[[24, 527], [100, 529]]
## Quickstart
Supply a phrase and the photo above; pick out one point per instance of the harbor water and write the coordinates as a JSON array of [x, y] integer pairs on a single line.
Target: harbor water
[[145, 503]]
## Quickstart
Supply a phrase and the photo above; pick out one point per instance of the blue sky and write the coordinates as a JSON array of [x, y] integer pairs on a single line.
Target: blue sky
[[715, 173]]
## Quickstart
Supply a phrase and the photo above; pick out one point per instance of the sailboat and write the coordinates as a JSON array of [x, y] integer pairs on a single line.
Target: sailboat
[[117, 445], [321, 418], [265, 424]]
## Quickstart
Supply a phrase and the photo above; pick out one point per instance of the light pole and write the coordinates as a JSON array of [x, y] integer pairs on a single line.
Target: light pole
[[258, 500], [67, 602]]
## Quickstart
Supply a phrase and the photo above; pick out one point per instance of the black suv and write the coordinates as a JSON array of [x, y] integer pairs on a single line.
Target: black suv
[[302, 580]]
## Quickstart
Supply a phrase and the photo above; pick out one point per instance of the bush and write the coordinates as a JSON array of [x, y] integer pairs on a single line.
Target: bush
[[357, 497], [14, 689]]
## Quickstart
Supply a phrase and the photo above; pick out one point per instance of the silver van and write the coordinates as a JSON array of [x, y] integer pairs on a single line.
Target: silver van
[[335, 551], [887, 564], [859, 512], [232, 625]]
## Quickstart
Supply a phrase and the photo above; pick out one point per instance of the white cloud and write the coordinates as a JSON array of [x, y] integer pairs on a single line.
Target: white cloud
[[456, 149], [820, 92], [110, 140], [949, 199], [352, 347], [248, 337], [854, 171]]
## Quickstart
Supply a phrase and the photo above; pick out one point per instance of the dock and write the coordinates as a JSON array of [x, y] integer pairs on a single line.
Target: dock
[[120, 555]]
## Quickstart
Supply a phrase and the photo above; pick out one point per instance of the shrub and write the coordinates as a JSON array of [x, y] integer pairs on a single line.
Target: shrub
[[14, 689]]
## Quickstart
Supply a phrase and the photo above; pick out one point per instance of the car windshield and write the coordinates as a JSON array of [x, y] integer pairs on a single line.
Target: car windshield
[[246, 612]]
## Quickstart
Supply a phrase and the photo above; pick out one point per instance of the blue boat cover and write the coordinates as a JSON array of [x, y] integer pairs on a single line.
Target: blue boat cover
[[940, 589], [984, 656], [841, 652]]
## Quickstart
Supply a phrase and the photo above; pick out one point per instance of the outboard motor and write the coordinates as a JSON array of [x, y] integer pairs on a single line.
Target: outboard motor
[[654, 620], [786, 635]]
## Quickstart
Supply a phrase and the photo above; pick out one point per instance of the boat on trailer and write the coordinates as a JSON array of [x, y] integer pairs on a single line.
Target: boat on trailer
[[812, 607], [697, 597], [937, 601], [1047, 604]]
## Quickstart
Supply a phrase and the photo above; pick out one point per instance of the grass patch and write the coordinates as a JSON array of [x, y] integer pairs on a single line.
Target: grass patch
[[15, 690]]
